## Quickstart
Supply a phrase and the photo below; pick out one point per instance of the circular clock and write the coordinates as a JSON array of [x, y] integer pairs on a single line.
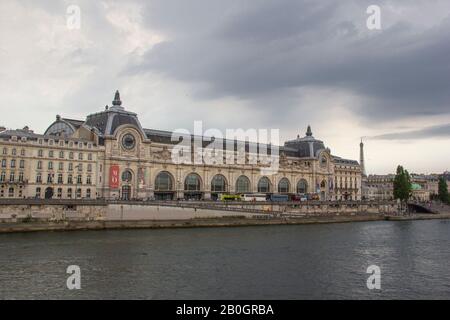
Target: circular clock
[[128, 141]]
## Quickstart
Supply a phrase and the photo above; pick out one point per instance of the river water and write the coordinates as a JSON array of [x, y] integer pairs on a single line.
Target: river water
[[327, 261]]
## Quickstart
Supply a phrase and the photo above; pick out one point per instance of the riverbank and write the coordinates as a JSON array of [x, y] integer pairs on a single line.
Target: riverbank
[[237, 221]]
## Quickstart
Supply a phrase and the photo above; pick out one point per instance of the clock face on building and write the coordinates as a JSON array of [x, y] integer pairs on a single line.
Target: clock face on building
[[128, 141]]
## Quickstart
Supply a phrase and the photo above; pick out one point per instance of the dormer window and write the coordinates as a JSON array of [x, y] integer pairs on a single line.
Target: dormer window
[[323, 161]]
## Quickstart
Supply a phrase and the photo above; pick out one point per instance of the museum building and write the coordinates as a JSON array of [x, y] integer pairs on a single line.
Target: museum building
[[109, 155]]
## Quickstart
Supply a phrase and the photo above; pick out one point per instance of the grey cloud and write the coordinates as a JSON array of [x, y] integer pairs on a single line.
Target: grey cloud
[[248, 52], [440, 131]]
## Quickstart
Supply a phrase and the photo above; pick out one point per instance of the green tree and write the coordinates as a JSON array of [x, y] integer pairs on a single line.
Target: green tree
[[443, 190], [402, 185]]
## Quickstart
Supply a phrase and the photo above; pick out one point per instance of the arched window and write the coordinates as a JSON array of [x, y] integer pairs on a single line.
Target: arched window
[[218, 183], [283, 186], [163, 182], [59, 128], [264, 185], [323, 184], [127, 176], [302, 186], [242, 184], [192, 182]]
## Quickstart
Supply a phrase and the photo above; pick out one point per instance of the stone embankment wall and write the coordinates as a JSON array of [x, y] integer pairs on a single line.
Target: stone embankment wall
[[176, 211]]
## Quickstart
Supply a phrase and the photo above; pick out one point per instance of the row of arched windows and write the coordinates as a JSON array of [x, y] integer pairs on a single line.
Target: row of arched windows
[[192, 183]]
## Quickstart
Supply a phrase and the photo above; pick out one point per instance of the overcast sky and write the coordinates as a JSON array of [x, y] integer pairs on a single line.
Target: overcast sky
[[241, 64]]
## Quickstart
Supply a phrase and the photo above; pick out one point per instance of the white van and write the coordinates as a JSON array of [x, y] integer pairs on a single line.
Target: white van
[[254, 197]]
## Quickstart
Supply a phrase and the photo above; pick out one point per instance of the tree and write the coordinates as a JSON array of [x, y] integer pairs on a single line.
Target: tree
[[443, 190], [402, 185]]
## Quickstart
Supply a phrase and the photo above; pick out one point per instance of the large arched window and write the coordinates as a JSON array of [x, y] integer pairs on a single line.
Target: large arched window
[[264, 185], [60, 128], [302, 186], [163, 182], [242, 184], [283, 186], [218, 184], [127, 176], [192, 182]]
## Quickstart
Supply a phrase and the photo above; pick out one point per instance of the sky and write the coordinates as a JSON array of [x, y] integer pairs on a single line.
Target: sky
[[263, 64]]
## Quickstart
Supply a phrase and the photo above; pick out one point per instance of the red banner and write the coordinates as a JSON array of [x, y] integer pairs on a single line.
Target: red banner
[[114, 177]]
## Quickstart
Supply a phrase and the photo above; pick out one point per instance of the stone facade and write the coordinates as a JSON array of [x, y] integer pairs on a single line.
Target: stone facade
[[111, 156], [47, 166], [381, 187]]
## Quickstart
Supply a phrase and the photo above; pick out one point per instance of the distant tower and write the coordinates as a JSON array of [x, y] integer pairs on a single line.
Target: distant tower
[[361, 158]]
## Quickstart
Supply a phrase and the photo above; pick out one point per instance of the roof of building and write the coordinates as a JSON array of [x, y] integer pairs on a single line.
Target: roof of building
[[30, 135], [344, 161], [306, 147], [106, 122], [416, 186]]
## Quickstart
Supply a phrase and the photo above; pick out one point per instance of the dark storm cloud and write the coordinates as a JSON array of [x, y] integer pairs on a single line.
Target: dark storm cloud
[[441, 131], [268, 48]]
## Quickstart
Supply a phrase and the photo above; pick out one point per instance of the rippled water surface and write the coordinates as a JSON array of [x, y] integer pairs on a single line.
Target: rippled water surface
[[270, 262]]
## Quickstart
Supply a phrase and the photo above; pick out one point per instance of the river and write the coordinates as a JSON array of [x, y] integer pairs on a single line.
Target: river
[[322, 261]]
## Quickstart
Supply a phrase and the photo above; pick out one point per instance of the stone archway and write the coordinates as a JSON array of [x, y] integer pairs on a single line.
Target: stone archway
[[164, 186], [49, 193]]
